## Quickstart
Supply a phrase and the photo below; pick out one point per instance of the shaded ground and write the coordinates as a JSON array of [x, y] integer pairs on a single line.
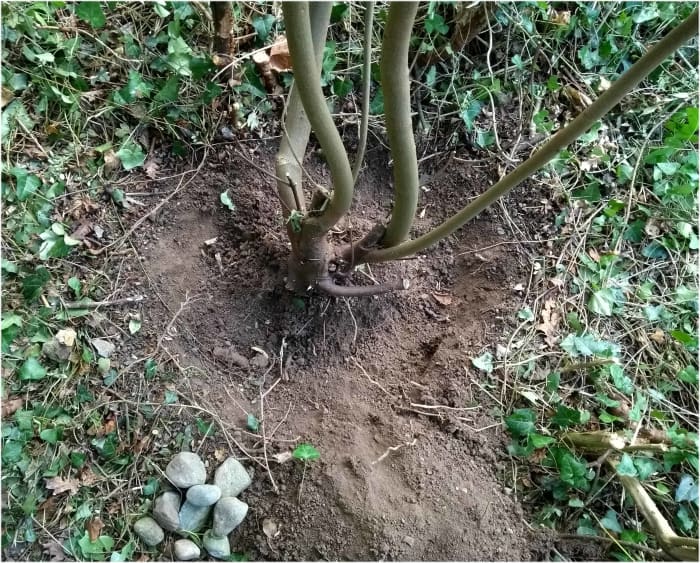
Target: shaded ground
[[353, 377]]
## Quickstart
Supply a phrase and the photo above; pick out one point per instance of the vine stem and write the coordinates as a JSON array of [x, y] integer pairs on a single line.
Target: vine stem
[[629, 80]]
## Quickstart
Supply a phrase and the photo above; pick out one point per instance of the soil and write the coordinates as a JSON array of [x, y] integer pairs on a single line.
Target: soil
[[412, 459]]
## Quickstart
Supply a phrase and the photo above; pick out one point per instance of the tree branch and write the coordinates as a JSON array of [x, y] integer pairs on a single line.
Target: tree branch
[[301, 48], [296, 125], [629, 80], [397, 112], [366, 83]]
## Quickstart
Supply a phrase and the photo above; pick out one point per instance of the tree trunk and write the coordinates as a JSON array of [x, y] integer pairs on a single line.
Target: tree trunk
[[222, 14]]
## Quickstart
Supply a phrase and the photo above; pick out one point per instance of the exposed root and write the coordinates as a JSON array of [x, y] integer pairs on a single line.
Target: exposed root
[[327, 286]]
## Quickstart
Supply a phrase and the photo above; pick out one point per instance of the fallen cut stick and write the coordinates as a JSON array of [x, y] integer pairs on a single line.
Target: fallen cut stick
[[96, 304]]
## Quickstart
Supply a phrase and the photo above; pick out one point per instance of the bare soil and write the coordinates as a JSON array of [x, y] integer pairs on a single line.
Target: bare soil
[[412, 457]]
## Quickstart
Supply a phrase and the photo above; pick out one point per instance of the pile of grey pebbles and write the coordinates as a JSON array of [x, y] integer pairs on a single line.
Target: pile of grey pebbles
[[213, 507]]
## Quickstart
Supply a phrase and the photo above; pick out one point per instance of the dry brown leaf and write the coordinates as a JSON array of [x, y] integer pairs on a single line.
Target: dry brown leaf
[[111, 161], [578, 99], [7, 96], [60, 485], [282, 457], [10, 406], [443, 299], [593, 253], [550, 322], [560, 18], [280, 59], [54, 550], [87, 477], [658, 336], [94, 527], [270, 528], [151, 169], [220, 454]]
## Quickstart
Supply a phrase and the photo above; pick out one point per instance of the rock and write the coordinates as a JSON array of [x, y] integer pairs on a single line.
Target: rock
[[410, 540], [186, 550], [203, 495], [60, 346], [216, 546], [193, 517], [231, 357], [259, 361], [149, 531], [104, 348], [231, 477], [166, 511], [229, 512], [185, 470]]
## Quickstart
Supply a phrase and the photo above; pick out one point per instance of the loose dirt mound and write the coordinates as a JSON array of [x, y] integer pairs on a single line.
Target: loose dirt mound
[[383, 387]]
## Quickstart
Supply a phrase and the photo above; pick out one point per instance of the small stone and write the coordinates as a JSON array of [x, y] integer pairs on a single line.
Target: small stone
[[203, 495], [149, 531], [410, 540], [185, 470], [231, 477], [216, 546], [229, 512], [259, 361], [186, 550], [104, 348], [193, 517], [60, 346], [166, 511], [231, 357]]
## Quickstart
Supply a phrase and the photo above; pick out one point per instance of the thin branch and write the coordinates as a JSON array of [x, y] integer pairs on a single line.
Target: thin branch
[[366, 83], [96, 304], [610, 98]]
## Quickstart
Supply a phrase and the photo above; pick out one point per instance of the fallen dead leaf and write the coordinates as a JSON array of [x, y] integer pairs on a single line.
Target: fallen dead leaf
[[46, 511], [593, 253], [10, 406], [151, 169], [550, 322], [560, 18], [94, 527], [283, 457], [54, 550], [220, 454], [443, 299], [60, 485], [270, 528], [578, 99], [7, 96], [658, 336], [280, 59], [88, 477], [111, 161]]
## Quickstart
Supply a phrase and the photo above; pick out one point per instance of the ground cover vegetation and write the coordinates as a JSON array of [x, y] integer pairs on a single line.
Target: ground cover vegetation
[[597, 386]]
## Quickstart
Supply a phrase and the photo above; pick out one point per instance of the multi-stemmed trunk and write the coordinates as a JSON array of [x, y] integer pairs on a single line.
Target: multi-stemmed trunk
[[314, 262]]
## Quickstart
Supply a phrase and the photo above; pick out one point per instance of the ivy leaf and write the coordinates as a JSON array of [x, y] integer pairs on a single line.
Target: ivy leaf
[[521, 422], [626, 467], [305, 452], [621, 381], [565, 416], [150, 368], [32, 370], [49, 435], [32, 284], [687, 490], [226, 200], [169, 91], [131, 155], [91, 12], [484, 362], [252, 423], [610, 522], [601, 302], [134, 326], [27, 183], [263, 26]]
